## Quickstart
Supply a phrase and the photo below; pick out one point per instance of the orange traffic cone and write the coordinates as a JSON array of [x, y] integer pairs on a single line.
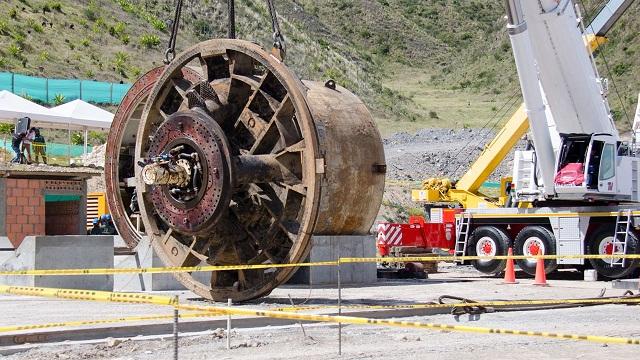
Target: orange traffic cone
[[541, 275], [510, 271]]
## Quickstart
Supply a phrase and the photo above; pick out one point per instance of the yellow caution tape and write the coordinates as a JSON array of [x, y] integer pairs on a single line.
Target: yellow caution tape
[[408, 324], [158, 270], [505, 303], [104, 321], [89, 295], [163, 300], [497, 257], [165, 270]]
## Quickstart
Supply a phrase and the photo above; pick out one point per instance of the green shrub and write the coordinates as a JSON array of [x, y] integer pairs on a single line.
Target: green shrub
[[89, 74], [621, 69], [6, 128], [149, 41], [158, 24], [3, 62], [36, 26], [97, 137], [55, 5], [4, 28], [125, 39], [117, 30], [15, 50], [77, 138], [13, 13], [91, 11], [44, 56], [58, 99], [120, 63], [433, 115], [85, 42]]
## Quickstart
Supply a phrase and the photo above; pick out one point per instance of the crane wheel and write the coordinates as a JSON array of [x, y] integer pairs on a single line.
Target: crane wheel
[[489, 241], [601, 243], [530, 241]]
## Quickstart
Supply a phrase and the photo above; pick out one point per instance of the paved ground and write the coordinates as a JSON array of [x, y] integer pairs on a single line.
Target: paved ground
[[363, 342]]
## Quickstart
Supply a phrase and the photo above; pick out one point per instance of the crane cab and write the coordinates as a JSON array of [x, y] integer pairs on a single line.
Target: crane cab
[[595, 167]]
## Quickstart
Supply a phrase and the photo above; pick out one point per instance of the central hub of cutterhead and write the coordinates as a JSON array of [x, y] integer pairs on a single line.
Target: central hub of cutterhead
[[189, 177]]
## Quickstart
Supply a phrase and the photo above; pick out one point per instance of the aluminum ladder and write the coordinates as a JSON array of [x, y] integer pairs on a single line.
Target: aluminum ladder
[[620, 237], [463, 226]]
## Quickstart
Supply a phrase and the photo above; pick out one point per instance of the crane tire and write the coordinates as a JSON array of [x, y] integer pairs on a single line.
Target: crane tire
[[489, 241], [529, 241], [597, 245]]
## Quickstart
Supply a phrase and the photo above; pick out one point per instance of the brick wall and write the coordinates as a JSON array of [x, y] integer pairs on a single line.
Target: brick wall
[[25, 210], [62, 217]]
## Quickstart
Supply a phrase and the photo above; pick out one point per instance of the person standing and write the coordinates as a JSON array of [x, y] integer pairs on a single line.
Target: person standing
[[26, 143], [39, 147], [16, 142]]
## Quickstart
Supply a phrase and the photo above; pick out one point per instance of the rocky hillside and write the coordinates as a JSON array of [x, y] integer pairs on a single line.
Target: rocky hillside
[[451, 45]]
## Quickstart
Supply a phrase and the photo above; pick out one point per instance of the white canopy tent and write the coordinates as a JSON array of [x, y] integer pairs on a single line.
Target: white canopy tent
[[75, 115], [84, 115]]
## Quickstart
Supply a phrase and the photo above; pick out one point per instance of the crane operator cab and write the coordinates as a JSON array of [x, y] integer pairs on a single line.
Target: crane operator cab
[[595, 167]]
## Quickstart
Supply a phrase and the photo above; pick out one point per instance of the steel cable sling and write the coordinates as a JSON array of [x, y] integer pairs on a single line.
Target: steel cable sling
[[279, 46]]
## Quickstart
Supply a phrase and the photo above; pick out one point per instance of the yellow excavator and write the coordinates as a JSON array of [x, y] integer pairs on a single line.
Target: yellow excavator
[[466, 191]]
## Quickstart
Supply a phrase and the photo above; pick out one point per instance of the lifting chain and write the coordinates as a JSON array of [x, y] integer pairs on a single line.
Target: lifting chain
[[279, 46], [170, 53]]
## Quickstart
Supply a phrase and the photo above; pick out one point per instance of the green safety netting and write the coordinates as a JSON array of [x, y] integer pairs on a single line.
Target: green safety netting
[[45, 90], [53, 149]]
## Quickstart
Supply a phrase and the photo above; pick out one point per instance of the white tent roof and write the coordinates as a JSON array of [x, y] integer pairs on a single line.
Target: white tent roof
[[13, 106], [76, 114], [82, 113]]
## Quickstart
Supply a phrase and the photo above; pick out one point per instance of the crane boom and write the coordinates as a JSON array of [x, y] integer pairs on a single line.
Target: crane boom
[[466, 189]]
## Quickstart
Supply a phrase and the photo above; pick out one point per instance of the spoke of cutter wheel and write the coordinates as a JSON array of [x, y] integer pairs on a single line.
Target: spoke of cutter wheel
[[181, 85]]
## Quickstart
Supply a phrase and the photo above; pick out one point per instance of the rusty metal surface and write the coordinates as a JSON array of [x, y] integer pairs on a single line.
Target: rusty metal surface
[[121, 142], [297, 159]]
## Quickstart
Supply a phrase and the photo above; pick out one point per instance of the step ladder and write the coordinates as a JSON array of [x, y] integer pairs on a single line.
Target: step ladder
[[463, 225], [620, 237]]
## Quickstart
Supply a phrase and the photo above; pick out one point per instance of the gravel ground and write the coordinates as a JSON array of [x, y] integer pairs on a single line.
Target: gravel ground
[[437, 153], [365, 342]]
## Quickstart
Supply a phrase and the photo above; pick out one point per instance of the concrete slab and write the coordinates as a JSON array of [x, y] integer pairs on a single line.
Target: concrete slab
[[6, 249], [330, 248], [62, 252], [143, 256], [628, 284]]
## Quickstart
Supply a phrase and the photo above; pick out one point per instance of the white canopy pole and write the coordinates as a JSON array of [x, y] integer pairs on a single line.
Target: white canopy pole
[[86, 139], [69, 147]]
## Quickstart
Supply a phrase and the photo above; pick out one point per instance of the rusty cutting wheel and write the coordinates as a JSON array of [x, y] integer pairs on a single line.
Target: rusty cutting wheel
[[242, 163], [119, 165]]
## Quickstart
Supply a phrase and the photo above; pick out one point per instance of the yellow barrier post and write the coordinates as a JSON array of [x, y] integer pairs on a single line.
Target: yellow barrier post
[[339, 306]]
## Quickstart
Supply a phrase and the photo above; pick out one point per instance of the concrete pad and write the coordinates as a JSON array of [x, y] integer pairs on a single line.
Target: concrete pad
[[330, 248], [62, 252], [6, 249], [144, 256]]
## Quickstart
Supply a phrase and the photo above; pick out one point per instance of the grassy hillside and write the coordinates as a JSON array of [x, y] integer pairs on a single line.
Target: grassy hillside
[[416, 63]]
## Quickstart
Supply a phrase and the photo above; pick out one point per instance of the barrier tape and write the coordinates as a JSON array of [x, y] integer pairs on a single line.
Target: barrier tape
[[501, 303], [89, 295], [104, 321], [409, 324], [162, 300], [166, 270], [158, 270]]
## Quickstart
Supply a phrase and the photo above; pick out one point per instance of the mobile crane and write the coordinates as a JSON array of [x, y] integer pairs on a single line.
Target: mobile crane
[[580, 179], [573, 185], [466, 191]]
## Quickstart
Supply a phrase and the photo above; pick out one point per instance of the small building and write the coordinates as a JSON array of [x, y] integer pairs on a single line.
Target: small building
[[43, 200]]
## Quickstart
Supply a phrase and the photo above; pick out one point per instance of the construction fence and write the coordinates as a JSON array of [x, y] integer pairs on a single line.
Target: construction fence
[[296, 313], [45, 90]]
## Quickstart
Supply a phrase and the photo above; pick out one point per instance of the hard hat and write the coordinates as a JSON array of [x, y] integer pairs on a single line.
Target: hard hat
[[96, 221], [107, 217]]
